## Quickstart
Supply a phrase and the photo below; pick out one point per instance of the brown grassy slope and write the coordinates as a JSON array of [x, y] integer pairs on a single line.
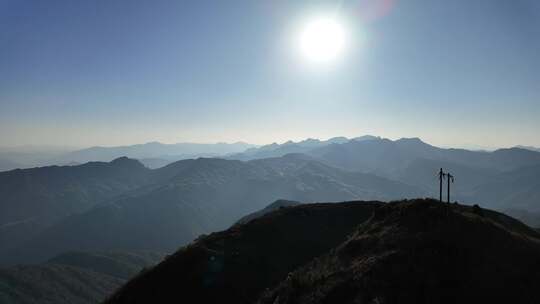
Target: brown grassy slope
[[423, 252], [237, 265]]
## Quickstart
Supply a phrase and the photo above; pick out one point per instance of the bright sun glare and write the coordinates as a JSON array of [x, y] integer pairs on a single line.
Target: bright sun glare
[[322, 39]]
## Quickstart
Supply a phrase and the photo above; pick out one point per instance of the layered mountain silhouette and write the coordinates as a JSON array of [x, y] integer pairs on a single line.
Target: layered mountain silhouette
[[192, 197], [412, 161], [278, 150], [122, 205], [386, 157], [32, 199], [29, 156], [152, 154], [511, 173], [155, 153], [418, 251], [74, 277]]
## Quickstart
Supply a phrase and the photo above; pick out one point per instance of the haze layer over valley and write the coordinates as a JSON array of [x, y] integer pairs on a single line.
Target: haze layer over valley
[[123, 205]]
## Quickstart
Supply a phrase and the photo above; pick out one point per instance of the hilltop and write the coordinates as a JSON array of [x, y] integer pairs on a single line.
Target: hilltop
[[236, 265], [423, 252], [417, 251]]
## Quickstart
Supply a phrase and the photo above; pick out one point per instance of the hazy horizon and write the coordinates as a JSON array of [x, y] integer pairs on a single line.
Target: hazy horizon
[[104, 73], [65, 148], [60, 147]]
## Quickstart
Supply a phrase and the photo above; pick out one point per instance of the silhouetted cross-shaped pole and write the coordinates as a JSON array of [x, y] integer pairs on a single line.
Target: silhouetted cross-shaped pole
[[441, 177], [450, 178]]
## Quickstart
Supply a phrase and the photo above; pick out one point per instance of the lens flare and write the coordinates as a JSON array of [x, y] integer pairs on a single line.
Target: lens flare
[[372, 10]]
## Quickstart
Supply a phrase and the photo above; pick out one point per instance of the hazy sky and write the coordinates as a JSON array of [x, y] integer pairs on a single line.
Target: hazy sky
[[104, 72]]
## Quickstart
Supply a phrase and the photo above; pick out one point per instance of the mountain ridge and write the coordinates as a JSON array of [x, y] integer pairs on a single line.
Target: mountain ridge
[[213, 193], [200, 196], [267, 260], [423, 252], [204, 269]]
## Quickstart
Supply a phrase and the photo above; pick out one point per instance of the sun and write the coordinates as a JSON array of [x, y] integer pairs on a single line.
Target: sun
[[322, 39]]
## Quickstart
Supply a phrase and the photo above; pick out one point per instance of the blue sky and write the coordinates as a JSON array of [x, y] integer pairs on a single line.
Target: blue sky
[[103, 72]]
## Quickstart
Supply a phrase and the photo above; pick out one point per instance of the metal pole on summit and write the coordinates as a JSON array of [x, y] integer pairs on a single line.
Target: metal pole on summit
[[450, 177], [441, 177]]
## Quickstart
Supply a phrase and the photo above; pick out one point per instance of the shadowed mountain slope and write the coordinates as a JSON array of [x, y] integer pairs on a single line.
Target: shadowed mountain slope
[[65, 189], [423, 252], [192, 197], [416, 251], [516, 189], [32, 199], [117, 264], [236, 265]]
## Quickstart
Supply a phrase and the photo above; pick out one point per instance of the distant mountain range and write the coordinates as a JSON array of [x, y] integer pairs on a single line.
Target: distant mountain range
[[417, 251], [123, 205], [510, 173], [155, 155], [152, 155], [305, 146], [155, 150]]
